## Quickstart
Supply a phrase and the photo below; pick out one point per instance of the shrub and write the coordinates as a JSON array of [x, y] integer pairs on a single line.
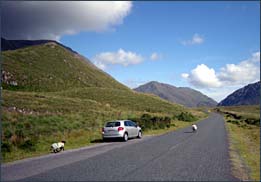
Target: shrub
[[252, 121], [7, 133], [28, 145], [19, 133], [5, 147], [234, 122], [147, 122], [145, 117], [186, 116]]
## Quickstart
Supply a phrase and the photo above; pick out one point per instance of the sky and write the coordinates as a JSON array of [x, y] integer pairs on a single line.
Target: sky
[[210, 46]]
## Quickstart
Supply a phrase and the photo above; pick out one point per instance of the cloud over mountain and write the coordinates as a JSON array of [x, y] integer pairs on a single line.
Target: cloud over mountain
[[51, 20], [246, 71], [202, 76], [121, 57]]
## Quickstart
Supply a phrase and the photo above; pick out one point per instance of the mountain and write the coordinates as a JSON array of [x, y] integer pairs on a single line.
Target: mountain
[[17, 44], [48, 66], [248, 95], [51, 69], [181, 95]]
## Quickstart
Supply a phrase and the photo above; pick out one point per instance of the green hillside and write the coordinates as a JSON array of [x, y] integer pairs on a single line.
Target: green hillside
[[50, 67], [50, 94]]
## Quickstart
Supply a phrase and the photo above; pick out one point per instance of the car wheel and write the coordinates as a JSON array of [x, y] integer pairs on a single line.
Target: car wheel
[[125, 137], [139, 134]]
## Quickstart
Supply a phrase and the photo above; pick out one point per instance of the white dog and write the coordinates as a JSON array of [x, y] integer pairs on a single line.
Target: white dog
[[194, 128], [57, 147]]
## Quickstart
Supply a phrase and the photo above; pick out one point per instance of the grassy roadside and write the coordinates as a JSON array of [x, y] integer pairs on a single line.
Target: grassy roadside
[[31, 121], [244, 151], [244, 141], [175, 125], [82, 138]]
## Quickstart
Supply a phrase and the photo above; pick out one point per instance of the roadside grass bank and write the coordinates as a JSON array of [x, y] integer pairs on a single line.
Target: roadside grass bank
[[244, 140], [32, 121], [74, 139], [175, 125]]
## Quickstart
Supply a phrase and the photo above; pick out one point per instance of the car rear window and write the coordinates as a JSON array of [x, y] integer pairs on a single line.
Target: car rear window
[[113, 124]]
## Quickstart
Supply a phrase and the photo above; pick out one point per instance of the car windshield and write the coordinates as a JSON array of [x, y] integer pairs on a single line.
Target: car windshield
[[113, 124]]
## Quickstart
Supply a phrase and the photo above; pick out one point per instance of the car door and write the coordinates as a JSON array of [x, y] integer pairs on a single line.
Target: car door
[[134, 129], [127, 127]]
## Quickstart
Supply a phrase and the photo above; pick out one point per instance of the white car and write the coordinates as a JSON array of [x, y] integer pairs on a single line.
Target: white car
[[123, 129]]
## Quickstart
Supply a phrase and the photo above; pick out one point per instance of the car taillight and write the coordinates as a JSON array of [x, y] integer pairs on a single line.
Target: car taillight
[[102, 129], [120, 128]]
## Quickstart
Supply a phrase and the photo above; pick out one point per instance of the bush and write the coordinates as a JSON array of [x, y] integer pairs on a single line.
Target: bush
[[252, 121], [234, 122], [5, 147], [147, 122], [19, 133], [7, 133], [28, 145], [186, 116]]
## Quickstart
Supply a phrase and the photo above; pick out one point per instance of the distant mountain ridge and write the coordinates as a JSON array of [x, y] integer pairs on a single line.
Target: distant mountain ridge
[[248, 95], [181, 95]]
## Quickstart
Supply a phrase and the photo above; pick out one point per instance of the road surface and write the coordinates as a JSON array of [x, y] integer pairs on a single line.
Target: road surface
[[180, 155]]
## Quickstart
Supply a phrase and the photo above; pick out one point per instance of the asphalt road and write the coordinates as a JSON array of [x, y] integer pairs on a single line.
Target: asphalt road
[[175, 156]]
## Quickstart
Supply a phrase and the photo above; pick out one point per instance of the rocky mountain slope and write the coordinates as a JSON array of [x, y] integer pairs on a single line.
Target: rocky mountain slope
[[248, 95], [181, 95]]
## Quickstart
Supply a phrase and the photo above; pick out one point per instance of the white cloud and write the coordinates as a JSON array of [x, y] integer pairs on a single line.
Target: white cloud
[[255, 57], [52, 19], [247, 71], [155, 56], [196, 39], [121, 57], [202, 76], [184, 75]]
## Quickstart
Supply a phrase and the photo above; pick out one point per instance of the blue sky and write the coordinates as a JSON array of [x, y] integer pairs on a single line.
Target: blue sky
[[213, 47]]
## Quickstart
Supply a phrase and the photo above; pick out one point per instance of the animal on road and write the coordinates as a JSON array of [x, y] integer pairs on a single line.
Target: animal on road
[[194, 128], [57, 147]]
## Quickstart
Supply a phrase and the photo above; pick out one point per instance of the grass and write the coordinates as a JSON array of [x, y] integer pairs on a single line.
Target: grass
[[50, 67], [76, 116], [243, 112], [75, 138], [244, 142]]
